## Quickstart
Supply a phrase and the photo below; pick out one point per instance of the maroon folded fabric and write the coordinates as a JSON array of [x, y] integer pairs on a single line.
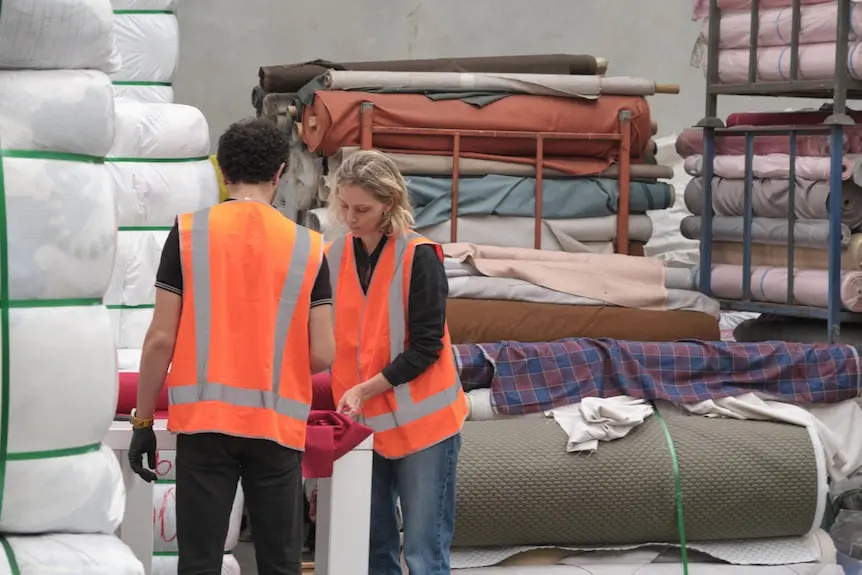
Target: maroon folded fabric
[[690, 143], [127, 396], [321, 392], [330, 435]]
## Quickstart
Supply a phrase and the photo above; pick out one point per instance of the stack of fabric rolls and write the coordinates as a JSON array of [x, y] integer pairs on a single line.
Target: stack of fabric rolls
[[770, 203], [496, 189], [817, 35], [600, 456]]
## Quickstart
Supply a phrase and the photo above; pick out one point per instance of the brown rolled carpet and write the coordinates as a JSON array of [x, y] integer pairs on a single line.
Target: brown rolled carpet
[[482, 321]]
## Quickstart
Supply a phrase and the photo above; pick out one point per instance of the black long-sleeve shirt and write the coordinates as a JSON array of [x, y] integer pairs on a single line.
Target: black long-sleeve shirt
[[426, 309]]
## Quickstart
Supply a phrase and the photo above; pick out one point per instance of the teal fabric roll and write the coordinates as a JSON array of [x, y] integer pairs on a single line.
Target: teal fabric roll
[[563, 198]]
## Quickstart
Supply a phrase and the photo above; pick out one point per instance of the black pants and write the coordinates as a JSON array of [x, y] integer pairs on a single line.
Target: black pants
[[208, 467]]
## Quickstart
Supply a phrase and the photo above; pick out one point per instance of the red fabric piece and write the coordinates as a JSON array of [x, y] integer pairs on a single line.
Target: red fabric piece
[[329, 436], [321, 392], [127, 397]]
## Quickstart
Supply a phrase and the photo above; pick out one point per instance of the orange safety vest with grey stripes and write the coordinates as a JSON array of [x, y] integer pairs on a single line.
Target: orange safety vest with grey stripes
[[241, 363], [371, 331]]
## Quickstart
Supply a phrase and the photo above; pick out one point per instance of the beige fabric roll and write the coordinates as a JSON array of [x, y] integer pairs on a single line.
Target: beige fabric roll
[[806, 233], [771, 255], [554, 85]]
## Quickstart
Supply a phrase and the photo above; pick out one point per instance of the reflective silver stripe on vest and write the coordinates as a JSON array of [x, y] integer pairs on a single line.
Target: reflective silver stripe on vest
[[333, 260], [408, 410], [205, 390]]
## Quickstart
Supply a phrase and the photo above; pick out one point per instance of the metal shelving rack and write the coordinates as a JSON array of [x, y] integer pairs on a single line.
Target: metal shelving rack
[[622, 139], [839, 89]]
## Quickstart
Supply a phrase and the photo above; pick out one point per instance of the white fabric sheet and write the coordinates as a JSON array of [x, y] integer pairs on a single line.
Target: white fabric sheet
[[64, 554], [597, 419], [156, 94], [130, 327], [57, 34], [816, 547], [148, 45], [143, 4], [508, 289]]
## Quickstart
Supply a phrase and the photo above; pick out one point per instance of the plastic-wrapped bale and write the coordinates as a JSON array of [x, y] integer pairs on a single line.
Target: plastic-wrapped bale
[[57, 34], [65, 554], [147, 39], [165, 518], [166, 564], [57, 242], [160, 165]]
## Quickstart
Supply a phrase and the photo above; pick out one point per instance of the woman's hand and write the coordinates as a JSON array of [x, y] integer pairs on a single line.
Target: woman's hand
[[351, 402]]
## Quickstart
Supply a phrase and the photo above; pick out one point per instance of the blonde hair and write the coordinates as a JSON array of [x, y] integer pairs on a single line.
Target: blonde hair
[[378, 175]]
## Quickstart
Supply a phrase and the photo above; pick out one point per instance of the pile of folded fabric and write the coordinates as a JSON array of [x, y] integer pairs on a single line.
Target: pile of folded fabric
[[521, 294], [599, 456], [817, 33], [770, 204]]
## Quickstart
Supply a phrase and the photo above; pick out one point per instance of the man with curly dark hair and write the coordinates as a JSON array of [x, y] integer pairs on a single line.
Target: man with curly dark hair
[[243, 317]]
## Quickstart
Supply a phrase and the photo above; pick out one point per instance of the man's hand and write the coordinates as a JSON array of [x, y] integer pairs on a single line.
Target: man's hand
[[143, 442]]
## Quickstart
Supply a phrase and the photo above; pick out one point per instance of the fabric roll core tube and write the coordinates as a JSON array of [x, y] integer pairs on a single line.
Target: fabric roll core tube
[[624, 137]]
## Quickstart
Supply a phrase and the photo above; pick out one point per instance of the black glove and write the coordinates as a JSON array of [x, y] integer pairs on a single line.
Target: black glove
[[143, 441]]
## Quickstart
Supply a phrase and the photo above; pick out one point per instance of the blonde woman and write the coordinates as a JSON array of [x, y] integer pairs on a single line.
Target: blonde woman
[[394, 369]]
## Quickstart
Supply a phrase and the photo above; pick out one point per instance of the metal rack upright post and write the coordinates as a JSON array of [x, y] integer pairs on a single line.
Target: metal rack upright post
[[839, 89]]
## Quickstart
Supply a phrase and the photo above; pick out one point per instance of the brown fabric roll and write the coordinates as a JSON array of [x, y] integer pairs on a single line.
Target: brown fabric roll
[[292, 77], [482, 321]]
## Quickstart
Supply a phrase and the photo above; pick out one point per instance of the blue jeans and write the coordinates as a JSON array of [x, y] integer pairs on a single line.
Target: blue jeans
[[425, 483]]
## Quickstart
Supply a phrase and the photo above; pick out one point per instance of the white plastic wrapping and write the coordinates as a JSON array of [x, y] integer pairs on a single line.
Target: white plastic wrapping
[[138, 256], [165, 518], [64, 554], [159, 131], [68, 111], [148, 45], [154, 94], [61, 224], [143, 4], [79, 489], [76, 493], [52, 34], [167, 565], [61, 217], [130, 327]]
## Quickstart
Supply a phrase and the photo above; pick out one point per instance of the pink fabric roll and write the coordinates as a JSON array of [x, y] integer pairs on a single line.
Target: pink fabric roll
[[690, 143], [771, 166], [816, 62], [819, 24], [700, 8], [769, 284]]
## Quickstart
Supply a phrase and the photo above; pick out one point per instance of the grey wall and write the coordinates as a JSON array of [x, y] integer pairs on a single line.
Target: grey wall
[[223, 42]]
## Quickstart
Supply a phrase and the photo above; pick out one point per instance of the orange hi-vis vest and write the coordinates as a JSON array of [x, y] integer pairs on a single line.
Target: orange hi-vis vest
[[241, 364], [371, 331]]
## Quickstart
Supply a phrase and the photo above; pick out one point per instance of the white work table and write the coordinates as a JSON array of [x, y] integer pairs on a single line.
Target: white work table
[[343, 506]]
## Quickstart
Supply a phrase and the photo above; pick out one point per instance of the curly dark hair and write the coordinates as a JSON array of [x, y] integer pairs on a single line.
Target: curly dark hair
[[251, 151]]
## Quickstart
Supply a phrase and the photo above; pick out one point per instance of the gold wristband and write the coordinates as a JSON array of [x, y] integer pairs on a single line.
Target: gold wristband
[[138, 423]]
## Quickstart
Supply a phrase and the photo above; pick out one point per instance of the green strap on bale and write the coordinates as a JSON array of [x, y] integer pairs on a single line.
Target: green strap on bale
[[139, 12], [133, 83], [10, 556], [677, 482]]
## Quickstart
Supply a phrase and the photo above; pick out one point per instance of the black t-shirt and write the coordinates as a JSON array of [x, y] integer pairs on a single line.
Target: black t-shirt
[[170, 274]]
